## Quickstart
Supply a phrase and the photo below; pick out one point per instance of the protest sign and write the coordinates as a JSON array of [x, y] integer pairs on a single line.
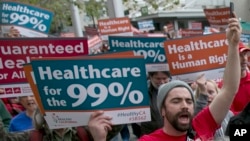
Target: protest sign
[[152, 48], [190, 32], [189, 57], [218, 17], [30, 21], [91, 31], [14, 53], [196, 25], [68, 34], [73, 88], [146, 25], [94, 43], [115, 26], [245, 38], [31, 79]]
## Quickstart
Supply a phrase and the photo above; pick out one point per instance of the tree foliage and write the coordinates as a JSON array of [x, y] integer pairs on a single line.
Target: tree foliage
[[94, 9], [153, 4], [62, 11], [59, 8], [156, 5]]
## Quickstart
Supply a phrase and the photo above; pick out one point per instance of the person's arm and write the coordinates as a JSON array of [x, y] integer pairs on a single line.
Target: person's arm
[[202, 96], [99, 125], [231, 78], [4, 116], [200, 103]]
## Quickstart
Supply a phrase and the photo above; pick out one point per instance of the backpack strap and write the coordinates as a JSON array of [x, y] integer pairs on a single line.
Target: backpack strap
[[36, 135], [82, 134]]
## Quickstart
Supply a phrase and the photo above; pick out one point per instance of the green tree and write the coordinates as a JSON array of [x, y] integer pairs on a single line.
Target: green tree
[[94, 9], [155, 4], [61, 10]]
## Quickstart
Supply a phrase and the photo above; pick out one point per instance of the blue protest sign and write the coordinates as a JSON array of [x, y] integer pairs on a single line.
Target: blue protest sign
[[152, 48], [245, 38], [91, 84], [27, 16], [146, 25]]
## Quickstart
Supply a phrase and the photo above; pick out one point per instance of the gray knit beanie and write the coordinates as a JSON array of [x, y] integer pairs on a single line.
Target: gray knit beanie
[[165, 88]]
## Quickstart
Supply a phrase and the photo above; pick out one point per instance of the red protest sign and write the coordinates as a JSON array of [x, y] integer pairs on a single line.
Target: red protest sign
[[196, 54], [14, 53]]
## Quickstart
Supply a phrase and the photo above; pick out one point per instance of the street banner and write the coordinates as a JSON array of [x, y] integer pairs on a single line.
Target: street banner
[[218, 18], [152, 48], [14, 53], [115, 26], [30, 21], [189, 57], [70, 89]]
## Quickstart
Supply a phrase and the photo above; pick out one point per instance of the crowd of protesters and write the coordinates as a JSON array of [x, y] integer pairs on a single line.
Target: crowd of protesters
[[178, 112]]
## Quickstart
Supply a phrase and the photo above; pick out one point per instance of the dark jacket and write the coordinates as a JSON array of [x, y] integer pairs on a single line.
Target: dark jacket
[[156, 118]]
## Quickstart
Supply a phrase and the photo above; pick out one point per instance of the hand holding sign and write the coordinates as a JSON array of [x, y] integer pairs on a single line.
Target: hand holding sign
[[99, 125]]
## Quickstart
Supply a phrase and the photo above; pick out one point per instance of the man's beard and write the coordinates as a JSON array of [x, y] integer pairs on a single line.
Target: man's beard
[[173, 120]]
